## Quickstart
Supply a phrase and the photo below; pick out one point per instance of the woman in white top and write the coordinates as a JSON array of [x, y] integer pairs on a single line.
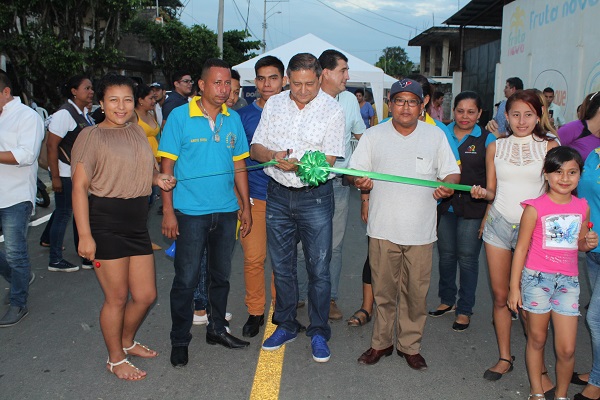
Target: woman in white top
[[65, 125], [514, 174]]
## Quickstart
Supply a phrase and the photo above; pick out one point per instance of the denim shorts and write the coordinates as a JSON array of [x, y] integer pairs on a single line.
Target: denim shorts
[[499, 232], [543, 292]]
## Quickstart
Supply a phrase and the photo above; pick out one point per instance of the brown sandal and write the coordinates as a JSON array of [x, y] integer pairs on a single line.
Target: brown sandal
[[359, 318]]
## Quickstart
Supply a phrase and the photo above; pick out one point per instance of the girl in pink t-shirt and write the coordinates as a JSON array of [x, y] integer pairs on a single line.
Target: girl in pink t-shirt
[[544, 280]]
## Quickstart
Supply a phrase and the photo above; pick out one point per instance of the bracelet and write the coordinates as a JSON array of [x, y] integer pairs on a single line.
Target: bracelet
[[365, 200]]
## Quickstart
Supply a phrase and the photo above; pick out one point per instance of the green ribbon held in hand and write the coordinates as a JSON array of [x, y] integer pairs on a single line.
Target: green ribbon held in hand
[[314, 170]]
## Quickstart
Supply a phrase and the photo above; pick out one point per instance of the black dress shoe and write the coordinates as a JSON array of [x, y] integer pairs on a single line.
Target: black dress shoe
[[252, 326], [226, 340], [179, 356]]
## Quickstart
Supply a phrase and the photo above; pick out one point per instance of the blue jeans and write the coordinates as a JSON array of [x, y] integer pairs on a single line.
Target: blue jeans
[[341, 196], [593, 315], [216, 234], [14, 262], [458, 242], [305, 215], [57, 225], [200, 295]]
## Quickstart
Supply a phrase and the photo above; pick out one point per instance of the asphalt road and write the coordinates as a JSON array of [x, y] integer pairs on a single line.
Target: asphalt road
[[57, 351]]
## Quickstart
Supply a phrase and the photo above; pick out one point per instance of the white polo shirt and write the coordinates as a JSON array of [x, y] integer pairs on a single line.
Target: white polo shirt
[[354, 124], [319, 126], [21, 133], [60, 124]]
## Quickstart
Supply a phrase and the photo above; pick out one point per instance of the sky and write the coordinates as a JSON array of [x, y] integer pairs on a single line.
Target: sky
[[360, 27]]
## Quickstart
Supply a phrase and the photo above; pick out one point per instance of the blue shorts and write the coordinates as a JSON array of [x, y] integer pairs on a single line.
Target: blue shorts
[[499, 232], [543, 292]]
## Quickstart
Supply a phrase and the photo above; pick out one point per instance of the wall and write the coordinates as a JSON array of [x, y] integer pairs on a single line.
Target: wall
[[478, 75], [552, 43]]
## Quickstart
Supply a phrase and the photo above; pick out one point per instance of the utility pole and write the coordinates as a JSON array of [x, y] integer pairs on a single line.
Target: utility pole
[[265, 17], [220, 26], [264, 41]]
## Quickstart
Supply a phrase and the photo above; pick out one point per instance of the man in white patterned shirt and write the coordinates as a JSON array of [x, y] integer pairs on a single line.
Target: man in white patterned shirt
[[293, 122]]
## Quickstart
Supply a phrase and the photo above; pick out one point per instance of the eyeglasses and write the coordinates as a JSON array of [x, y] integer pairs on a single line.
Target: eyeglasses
[[402, 102], [188, 81]]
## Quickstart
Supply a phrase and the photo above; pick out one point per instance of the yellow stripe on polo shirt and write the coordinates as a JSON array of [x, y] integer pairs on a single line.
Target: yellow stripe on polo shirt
[[195, 110], [167, 155], [241, 156]]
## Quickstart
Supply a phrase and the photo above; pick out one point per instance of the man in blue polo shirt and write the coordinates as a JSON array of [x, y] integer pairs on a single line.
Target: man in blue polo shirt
[[269, 81], [199, 139]]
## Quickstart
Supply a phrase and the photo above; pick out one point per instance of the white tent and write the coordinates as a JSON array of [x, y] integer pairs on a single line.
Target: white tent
[[361, 72]]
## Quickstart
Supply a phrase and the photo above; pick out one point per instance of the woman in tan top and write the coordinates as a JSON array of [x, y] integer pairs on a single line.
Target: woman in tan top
[[113, 162]]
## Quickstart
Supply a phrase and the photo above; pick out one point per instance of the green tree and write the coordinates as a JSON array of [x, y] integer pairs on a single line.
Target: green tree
[[177, 46], [48, 41], [395, 62], [236, 49]]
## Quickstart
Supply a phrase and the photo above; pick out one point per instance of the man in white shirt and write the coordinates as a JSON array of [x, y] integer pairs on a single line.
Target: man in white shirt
[[292, 123], [333, 82], [555, 113], [21, 134], [402, 220]]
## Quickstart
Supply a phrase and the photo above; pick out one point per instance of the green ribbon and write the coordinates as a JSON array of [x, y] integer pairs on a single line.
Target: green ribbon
[[314, 170], [272, 162]]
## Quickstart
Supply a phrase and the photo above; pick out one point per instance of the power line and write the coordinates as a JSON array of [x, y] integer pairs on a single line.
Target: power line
[[379, 15], [361, 23], [245, 19], [247, 14]]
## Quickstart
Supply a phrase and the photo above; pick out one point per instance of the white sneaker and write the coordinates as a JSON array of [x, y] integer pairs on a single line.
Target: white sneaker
[[203, 319], [200, 319]]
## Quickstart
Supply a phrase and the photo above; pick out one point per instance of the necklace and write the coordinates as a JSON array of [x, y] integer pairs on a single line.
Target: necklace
[[212, 123]]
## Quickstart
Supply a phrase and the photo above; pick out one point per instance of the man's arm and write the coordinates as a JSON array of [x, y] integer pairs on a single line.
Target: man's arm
[[169, 223], [262, 154], [7, 157], [442, 191], [27, 149], [243, 193]]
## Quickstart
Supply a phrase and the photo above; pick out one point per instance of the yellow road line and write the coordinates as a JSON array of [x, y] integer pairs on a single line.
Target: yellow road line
[[267, 378]]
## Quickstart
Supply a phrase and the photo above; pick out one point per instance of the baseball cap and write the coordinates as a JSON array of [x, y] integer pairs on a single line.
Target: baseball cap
[[157, 85], [406, 85]]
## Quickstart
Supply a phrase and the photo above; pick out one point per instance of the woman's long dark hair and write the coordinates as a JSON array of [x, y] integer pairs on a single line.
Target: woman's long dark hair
[[73, 83], [531, 98]]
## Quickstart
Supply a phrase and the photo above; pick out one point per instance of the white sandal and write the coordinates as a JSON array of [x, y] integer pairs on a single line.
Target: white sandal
[[124, 361], [536, 396], [135, 343]]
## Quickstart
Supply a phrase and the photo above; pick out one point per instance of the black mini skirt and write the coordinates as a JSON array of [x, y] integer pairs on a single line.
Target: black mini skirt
[[119, 227]]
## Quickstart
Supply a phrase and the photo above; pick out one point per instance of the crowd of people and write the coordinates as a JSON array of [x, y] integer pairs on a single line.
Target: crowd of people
[[524, 169]]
